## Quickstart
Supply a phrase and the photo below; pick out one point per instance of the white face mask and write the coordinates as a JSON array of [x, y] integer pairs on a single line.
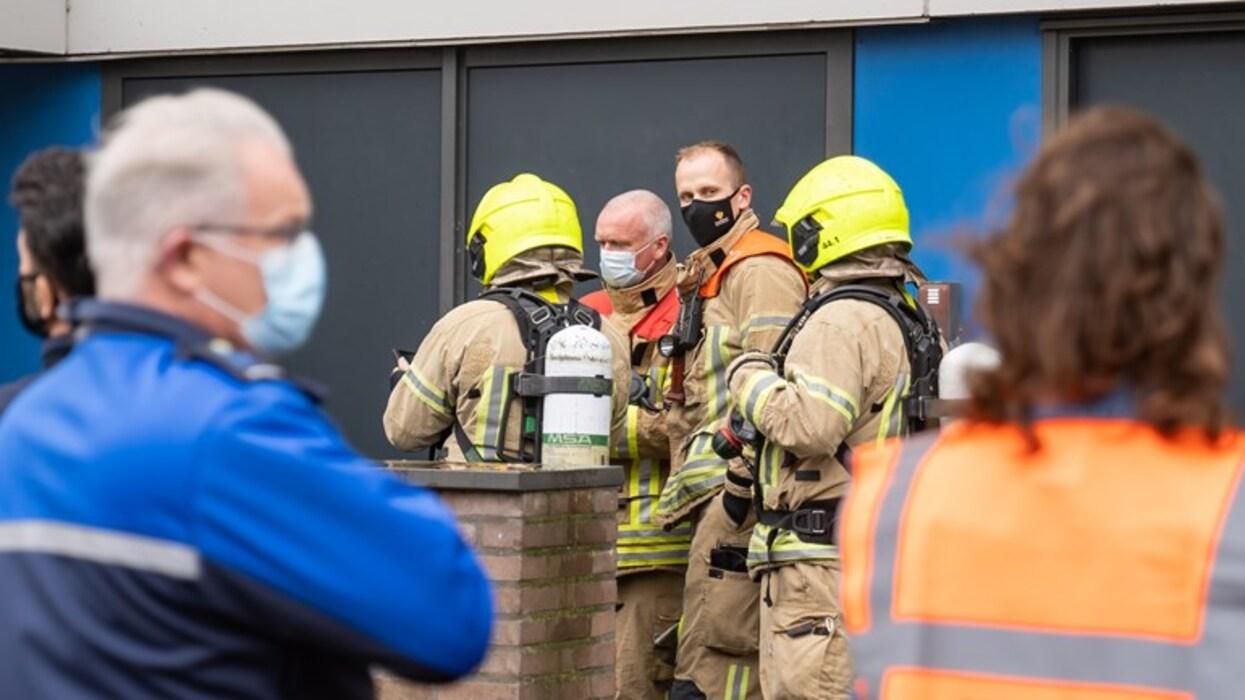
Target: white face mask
[[618, 266], [294, 280]]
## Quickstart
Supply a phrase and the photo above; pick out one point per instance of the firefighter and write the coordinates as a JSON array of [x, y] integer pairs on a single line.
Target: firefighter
[[525, 246], [1081, 535], [840, 376], [640, 301], [737, 292]]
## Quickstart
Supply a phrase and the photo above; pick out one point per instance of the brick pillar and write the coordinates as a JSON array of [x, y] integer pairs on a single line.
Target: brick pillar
[[547, 539]]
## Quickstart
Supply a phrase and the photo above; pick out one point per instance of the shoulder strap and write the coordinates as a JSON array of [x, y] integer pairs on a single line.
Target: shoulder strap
[[752, 244], [538, 319], [920, 334], [598, 301], [659, 319]]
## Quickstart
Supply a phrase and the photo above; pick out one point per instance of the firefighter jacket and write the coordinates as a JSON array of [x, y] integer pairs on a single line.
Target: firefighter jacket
[[749, 288], [463, 369], [841, 384]]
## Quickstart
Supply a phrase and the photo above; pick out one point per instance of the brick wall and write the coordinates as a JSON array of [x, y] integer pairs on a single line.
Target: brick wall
[[550, 554]]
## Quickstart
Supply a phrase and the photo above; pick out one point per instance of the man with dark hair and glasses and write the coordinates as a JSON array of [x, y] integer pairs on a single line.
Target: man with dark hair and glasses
[[51, 252]]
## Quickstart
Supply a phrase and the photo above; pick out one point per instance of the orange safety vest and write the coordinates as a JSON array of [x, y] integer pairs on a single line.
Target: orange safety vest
[[1107, 565], [656, 323], [751, 244]]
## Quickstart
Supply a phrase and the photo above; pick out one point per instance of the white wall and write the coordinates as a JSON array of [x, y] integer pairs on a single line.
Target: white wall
[[32, 25], [102, 26], [944, 8], [98, 27]]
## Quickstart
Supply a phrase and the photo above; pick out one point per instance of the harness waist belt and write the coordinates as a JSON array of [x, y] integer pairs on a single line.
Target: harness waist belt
[[814, 523]]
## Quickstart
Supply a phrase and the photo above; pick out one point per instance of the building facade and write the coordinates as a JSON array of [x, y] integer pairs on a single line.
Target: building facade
[[403, 113]]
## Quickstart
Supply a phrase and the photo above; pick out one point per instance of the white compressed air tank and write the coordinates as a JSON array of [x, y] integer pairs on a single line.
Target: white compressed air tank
[[575, 428], [959, 363]]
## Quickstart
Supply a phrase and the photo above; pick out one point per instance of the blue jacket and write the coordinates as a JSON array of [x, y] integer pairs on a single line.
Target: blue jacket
[[54, 350], [176, 521]]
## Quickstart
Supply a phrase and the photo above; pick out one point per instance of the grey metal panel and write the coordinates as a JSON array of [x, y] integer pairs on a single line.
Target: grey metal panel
[[840, 93], [1195, 82], [656, 48], [369, 144], [598, 129], [273, 63], [1176, 20]]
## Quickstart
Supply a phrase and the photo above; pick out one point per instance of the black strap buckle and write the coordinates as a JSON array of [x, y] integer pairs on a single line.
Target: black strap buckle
[[814, 522], [540, 314], [583, 316]]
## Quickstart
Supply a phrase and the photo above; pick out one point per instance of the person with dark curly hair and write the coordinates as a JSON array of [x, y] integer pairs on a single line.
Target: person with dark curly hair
[[51, 251], [1081, 534]]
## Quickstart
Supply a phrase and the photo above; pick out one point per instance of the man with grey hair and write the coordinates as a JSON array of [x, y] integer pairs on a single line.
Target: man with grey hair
[[178, 519], [640, 300]]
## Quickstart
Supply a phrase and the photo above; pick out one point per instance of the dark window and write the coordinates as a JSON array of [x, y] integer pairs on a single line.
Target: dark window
[[369, 146], [1195, 82], [598, 129]]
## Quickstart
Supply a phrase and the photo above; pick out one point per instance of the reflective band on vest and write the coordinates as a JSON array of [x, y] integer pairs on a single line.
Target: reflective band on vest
[[752, 244], [1110, 565], [642, 543]]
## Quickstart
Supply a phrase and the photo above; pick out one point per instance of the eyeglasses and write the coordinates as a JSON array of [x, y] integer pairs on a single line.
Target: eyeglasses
[[284, 233]]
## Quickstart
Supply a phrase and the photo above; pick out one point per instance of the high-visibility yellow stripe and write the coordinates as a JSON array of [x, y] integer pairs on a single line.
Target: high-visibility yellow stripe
[[757, 323], [756, 391], [829, 394], [651, 563], [690, 483], [891, 418], [495, 393], [732, 673], [660, 377], [653, 491], [770, 463], [426, 392]]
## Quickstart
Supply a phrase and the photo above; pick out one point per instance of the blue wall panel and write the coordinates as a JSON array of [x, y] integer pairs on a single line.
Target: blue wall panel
[[40, 105], [951, 109]]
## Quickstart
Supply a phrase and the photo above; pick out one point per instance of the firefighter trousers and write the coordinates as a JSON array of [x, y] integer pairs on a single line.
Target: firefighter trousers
[[804, 653], [720, 628], [649, 602]]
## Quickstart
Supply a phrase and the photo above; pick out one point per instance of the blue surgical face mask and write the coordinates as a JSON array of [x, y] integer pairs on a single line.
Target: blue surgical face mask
[[618, 267], [295, 280]]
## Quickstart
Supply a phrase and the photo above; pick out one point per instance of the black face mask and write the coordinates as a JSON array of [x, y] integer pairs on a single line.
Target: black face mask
[[709, 221], [27, 310]]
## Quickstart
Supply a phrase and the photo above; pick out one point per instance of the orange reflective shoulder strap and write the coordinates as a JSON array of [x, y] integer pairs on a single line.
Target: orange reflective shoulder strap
[[752, 244], [598, 301], [660, 319]]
